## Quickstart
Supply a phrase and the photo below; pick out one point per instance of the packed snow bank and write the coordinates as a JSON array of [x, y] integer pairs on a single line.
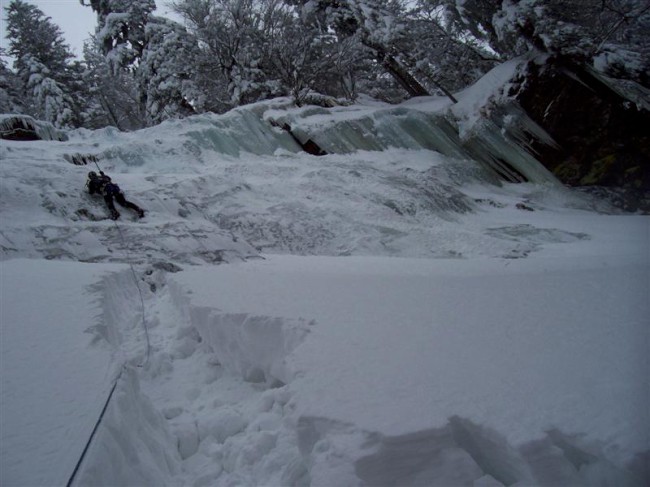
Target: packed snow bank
[[227, 431], [253, 347], [133, 445], [55, 374], [66, 331], [425, 371]]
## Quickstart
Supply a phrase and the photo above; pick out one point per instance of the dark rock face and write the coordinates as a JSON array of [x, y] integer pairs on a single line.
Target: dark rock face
[[603, 136]]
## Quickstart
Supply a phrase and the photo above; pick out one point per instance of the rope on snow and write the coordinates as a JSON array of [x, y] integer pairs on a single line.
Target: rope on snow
[[92, 434], [119, 376]]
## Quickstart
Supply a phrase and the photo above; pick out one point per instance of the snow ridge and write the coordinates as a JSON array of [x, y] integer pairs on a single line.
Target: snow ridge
[[234, 423], [133, 445], [465, 453]]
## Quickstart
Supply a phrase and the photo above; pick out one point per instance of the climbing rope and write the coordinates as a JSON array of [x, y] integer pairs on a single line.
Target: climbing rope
[[119, 376], [92, 434], [136, 281], [137, 285]]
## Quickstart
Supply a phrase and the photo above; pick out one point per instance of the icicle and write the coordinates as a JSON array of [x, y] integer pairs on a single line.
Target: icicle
[[490, 145], [501, 147]]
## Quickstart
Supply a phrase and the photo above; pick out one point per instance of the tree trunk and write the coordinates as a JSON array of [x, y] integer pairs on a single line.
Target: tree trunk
[[406, 80], [109, 110]]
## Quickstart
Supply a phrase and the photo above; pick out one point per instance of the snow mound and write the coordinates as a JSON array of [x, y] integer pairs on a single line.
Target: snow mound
[[426, 372], [465, 453], [24, 127], [134, 445], [459, 453], [253, 347]]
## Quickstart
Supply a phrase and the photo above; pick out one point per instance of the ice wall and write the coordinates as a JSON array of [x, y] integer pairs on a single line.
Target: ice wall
[[501, 149], [343, 131], [198, 138], [498, 144]]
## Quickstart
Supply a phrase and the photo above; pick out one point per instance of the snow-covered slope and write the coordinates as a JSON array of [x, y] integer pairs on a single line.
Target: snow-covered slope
[[215, 186], [391, 313]]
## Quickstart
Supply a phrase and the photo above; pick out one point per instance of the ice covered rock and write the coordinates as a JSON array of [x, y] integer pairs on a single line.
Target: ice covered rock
[[26, 128]]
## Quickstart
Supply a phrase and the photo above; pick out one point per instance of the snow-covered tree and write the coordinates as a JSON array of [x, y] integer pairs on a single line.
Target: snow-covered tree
[[51, 101], [298, 59], [113, 97], [31, 32], [159, 53], [379, 26], [443, 56], [10, 89], [121, 28], [165, 72], [612, 34], [233, 36], [42, 63], [471, 19]]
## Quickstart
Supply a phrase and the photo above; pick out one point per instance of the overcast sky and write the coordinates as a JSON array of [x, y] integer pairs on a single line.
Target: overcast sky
[[76, 22]]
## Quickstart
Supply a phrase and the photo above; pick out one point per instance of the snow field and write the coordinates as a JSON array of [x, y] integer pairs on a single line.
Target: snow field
[[414, 373], [435, 331], [55, 373], [362, 371]]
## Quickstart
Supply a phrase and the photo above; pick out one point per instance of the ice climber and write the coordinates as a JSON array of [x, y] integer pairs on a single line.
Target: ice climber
[[102, 184]]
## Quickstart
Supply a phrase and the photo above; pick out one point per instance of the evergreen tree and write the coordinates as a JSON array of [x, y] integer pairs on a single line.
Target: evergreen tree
[[113, 97], [611, 34], [10, 91], [159, 53], [233, 35], [121, 28], [164, 74], [50, 100], [42, 63]]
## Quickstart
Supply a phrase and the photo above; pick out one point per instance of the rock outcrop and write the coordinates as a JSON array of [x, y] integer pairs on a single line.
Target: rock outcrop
[[600, 125]]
